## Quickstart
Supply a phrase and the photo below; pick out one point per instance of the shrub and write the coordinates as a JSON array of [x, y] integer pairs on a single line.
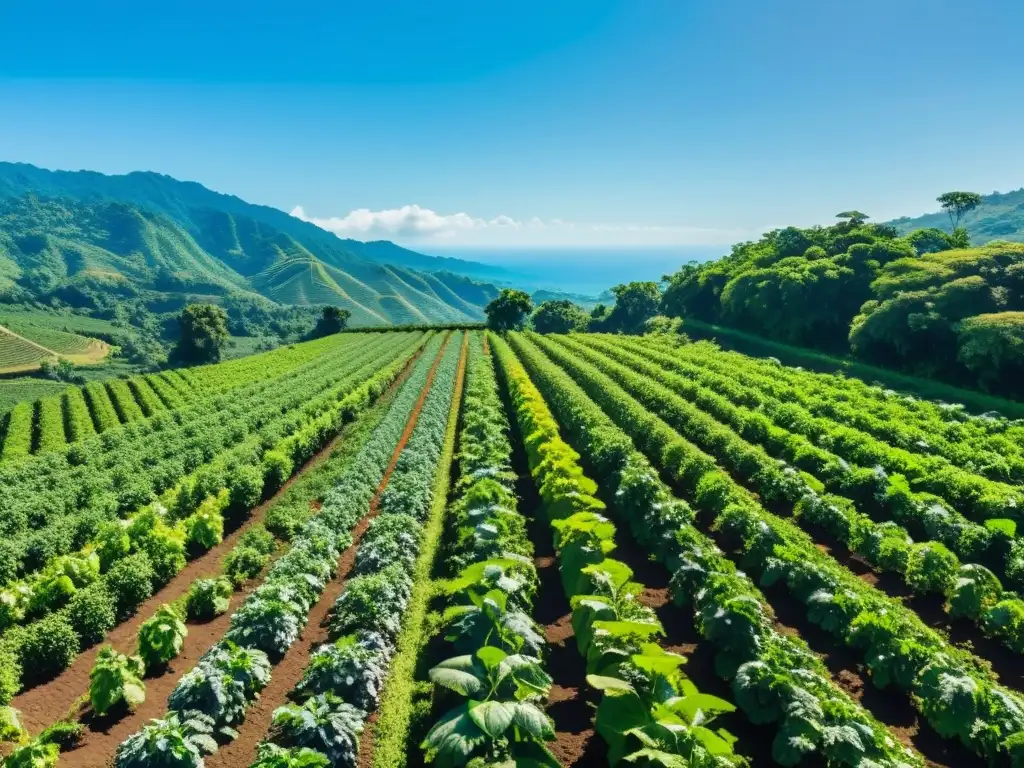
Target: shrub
[[47, 647], [66, 734], [130, 582], [208, 598], [204, 528], [116, 678], [245, 487], [244, 563], [259, 538], [285, 520], [161, 637], [92, 613], [10, 673], [931, 568], [112, 543], [277, 468]]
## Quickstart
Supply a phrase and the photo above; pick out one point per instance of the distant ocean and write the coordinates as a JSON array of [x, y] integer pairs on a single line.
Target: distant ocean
[[588, 271]]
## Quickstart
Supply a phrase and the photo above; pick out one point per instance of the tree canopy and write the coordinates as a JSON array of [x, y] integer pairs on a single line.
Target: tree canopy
[[635, 304], [508, 310], [956, 204], [204, 332], [332, 320], [907, 302], [559, 316]]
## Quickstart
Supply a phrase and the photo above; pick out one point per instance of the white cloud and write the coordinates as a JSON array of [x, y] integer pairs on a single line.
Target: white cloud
[[414, 224]]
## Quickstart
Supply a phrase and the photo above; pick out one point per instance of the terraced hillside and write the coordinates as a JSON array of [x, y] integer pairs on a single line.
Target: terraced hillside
[[459, 548]]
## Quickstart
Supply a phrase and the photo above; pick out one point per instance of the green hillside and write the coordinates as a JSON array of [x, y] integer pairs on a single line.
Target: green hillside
[[72, 251], [213, 218], [999, 217]]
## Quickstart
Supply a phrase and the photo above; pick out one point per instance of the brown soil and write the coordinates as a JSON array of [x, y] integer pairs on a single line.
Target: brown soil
[[241, 752]]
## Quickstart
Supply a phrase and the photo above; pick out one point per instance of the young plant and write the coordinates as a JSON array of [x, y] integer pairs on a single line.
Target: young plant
[[324, 723], [273, 756], [116, 678], [208, 598], [176, 741], [161, 637], [501, 720]]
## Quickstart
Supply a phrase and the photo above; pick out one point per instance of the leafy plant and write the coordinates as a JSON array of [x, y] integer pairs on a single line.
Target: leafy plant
[[66, 734], [161, 637], [501, 719], [116, 678], [244, 563], [269, 625], [208, 598], [33, 755], [324, 723], [273, 756], [11, 729], [349, 668], [179, 740]]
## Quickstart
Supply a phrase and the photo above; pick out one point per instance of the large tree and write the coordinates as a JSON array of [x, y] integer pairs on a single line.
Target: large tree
[[957, 204], [559, 316], [204, 332], [635, 304], [508, 310], [332, 320]]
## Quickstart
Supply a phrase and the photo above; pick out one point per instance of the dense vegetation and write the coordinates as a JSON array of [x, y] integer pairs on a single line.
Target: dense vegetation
[[922, 302], [789, 539]]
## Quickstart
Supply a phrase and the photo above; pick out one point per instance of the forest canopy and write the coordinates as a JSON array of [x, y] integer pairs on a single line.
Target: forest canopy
[[924, 302]]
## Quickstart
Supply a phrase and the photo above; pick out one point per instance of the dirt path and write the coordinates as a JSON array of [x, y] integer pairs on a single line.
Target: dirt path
[[241, 752]]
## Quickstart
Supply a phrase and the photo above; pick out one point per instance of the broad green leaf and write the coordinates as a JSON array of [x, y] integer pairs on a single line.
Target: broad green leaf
[[491, 717], [459, 674]]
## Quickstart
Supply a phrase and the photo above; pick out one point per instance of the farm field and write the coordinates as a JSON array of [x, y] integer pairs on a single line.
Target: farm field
[[452, 547], [27, 339]]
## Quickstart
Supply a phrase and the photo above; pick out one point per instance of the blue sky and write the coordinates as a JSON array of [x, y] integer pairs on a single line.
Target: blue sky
[[564, 122]]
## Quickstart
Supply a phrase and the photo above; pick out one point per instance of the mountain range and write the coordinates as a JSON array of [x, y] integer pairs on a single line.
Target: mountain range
[[67, 231]]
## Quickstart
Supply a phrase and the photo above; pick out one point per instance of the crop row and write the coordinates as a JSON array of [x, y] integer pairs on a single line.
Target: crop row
[[974, 444], [55, 504], [270, 620], [952, 689], [82, 596], [348, 677], [972, 590], [926, 516], [52, 422], [775, 677], [488, 684], [934, 464], [648, 706]]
